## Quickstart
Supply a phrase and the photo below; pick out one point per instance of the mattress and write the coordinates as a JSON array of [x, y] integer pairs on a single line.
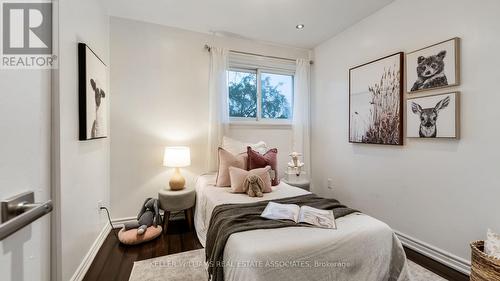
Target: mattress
[[361, 248]]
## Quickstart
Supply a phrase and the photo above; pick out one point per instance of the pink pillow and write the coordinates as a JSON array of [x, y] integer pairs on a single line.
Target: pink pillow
[[226, 160], [238, 177], [257, 160]]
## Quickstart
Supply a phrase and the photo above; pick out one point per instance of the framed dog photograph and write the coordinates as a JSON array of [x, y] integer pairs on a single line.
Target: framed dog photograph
[[376, 101], [433, 116], [93, 94], [433, 67]]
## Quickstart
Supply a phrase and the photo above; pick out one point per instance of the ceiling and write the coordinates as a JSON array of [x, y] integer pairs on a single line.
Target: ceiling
[[263, 20]]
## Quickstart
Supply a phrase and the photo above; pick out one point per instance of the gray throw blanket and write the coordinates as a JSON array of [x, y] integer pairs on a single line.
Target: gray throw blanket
[[232, 218]]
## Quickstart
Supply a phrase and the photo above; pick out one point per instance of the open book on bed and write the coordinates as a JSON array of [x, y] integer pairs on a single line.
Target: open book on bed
[[304, 214]]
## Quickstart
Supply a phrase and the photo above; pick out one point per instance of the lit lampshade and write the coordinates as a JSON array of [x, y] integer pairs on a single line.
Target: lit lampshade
[[177, 156]]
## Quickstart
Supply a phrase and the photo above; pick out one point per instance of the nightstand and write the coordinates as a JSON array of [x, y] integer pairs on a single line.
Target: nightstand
[[301, 181], [175, 201]]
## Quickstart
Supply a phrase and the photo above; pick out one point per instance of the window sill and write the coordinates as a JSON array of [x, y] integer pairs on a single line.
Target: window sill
[[260, 125]]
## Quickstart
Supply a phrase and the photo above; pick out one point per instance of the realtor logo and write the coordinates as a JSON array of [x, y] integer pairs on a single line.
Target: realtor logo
[[27, 35]]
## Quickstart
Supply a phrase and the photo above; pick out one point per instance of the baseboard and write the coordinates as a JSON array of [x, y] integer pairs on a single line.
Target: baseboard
[[439, 255], [89, 257], [118, 223]]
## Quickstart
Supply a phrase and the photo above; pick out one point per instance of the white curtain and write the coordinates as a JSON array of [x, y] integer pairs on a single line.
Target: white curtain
[[218, 105], [301, 127]]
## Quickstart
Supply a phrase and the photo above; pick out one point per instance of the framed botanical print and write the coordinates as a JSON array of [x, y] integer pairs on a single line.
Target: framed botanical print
[[376, 101], [433, 67], [433, 116], [93, 94]]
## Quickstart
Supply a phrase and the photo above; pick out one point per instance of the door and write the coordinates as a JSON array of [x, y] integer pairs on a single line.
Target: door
[[25, 114]]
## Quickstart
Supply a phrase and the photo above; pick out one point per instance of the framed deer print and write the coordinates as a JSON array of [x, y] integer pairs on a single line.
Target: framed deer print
[[93, 94], [433, 116], [376, 101], [433, 67]]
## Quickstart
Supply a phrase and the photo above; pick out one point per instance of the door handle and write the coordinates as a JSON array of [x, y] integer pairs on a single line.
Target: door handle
[[19, 211]]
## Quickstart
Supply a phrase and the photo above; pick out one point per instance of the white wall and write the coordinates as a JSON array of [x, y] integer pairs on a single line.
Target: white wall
[[442, 192], [159, 85], [82, 168], [274, 136]]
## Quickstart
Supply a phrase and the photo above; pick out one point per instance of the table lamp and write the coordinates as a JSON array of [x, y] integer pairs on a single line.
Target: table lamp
[[177, 157]]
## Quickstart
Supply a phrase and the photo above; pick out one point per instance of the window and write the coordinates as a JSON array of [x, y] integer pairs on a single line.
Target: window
[[276, 95], [260, 95], [242, 94]]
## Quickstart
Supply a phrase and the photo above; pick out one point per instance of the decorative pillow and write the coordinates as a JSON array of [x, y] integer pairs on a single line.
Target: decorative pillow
[[226, 160], [238, 177], [492, 244], [258, 160], [237, 147]]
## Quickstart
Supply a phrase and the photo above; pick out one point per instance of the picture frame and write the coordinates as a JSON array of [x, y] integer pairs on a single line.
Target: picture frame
[[433, 67], [376, 101], [93, 95], [433, 116]]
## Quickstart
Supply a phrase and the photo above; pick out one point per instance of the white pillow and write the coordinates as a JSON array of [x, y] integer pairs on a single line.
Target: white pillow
[[237, 147], [492, 244]]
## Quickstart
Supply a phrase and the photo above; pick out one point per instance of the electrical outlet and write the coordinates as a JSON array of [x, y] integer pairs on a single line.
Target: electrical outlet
[[100, 204], [329, 183]]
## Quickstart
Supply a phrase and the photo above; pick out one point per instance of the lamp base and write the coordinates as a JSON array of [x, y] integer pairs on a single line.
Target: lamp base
[[177, 181]]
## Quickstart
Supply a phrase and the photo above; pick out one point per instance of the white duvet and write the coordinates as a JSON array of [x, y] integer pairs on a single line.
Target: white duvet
[[360, 249]]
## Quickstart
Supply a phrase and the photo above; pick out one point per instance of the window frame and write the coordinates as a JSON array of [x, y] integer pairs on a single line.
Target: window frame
[[259, 120]]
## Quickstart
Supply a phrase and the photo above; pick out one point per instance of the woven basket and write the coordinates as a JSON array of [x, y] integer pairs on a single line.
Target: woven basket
[[484, 267]]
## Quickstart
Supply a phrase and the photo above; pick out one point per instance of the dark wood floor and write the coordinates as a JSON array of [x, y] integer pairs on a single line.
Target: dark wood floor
[[434, 266], [114, 261]]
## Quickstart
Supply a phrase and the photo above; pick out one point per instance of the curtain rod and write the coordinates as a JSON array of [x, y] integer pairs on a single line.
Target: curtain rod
[[254, 54]]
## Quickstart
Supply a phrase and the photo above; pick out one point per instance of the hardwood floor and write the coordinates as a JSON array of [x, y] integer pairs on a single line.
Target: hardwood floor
[[114, 261], [434, 266]]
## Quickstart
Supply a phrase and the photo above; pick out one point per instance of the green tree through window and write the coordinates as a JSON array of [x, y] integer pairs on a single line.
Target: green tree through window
[[276, 95], [242, 94]]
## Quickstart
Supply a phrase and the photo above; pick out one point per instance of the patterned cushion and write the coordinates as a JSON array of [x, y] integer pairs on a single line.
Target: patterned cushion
[[257, 160], [492, 244], [226, 160], [238, 177]]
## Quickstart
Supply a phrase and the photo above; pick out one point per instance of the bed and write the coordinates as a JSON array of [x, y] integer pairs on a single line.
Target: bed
[[361, 248]]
